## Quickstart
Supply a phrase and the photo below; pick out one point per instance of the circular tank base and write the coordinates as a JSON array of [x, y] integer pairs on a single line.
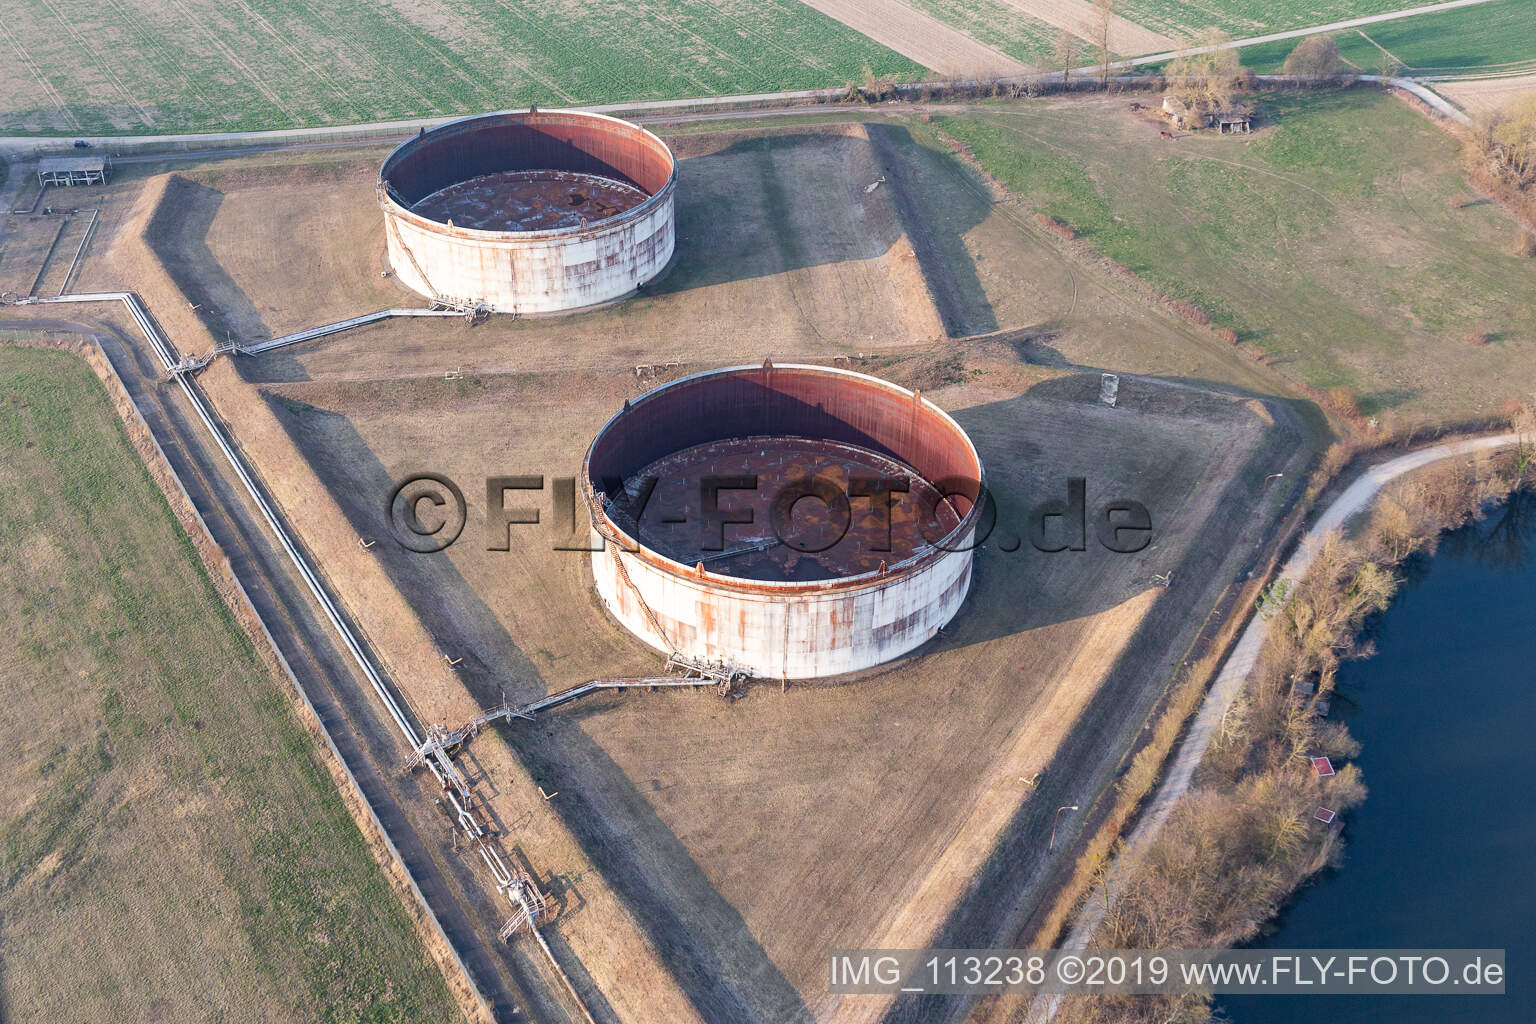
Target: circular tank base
[[529, 212], [687, 574], [529, 201], [817, 509]]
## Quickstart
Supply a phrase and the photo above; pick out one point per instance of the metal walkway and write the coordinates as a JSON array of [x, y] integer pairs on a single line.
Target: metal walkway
[[441, 742], [324, 330], [521, 891]]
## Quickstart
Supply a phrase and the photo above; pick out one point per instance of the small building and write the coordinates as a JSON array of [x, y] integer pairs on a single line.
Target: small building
[[69, 171], [1235, 118], [1234, 122]]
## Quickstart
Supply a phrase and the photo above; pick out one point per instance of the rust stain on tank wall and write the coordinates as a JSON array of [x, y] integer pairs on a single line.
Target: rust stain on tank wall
[[539, 270], [775, 626]]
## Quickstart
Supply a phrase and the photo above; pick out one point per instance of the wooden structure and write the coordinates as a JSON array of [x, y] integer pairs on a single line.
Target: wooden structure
[[69, 171], [1235, 118], [1234, 122]]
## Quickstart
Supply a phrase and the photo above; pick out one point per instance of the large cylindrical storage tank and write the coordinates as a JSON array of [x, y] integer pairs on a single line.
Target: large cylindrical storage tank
[[791, 569], [529, 212]]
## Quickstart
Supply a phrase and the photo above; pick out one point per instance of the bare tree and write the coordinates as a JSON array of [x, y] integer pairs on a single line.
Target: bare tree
[[1317, 58], [1514, 133], [1065, 55], [1211, 78], [1104, 18]]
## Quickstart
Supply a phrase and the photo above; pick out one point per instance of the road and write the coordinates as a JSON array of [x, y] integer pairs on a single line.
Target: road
[[1234, 674], [367, 744], [19, 146]]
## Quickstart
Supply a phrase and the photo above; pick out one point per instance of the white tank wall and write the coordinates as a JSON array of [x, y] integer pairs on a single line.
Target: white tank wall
[[541, 272], [799, 635]]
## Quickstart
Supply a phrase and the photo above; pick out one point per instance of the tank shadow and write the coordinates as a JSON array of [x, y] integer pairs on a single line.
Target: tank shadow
[[743, 214], [178, 234], [1154, 449], [697, 932], [1030, 444]]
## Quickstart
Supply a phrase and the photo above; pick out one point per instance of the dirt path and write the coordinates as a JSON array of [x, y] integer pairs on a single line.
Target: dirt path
[[1355, 499], [1081, 18], [760, 103], [919, 37]]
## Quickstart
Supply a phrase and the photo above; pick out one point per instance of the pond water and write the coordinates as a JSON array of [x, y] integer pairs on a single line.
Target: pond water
[[1441, 852]]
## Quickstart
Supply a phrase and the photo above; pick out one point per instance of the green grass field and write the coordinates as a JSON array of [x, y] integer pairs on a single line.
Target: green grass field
[[1240, 18], [1341, 240], [182, 65], [998, 24], [1493, 37], [171, 847]]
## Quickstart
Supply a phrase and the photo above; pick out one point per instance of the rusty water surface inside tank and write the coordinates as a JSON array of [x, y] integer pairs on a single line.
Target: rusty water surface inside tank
[[672, 523], [529, 201]]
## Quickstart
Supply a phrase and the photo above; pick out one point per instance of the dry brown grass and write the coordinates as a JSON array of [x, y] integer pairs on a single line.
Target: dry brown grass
[[1055, 227], [154, 777], [1344, 402], [669, 799], [27, 242], [1236, 847], [781, 251], [894, 825], [1081, 18], [410, 651], [607, 938], [1487, 96]]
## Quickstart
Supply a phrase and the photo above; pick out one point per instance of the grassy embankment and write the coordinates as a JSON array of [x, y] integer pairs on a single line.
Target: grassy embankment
[[1341, 243], [171, 845], [1492, 38], [1237, 846]]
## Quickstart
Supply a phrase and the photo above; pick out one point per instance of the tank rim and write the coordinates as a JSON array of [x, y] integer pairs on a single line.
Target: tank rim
[[395, 209], [914, 563]]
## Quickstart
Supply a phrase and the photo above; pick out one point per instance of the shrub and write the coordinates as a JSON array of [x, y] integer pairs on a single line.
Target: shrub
[[1315, 57], [1191, 312], [1334, 460], [1227, 335], [1235, 847], [1476, 338], [1055, 226], [1525, 244], [1343, 401]]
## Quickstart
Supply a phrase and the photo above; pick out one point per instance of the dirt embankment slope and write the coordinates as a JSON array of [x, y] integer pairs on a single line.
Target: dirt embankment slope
[[612, 949]]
